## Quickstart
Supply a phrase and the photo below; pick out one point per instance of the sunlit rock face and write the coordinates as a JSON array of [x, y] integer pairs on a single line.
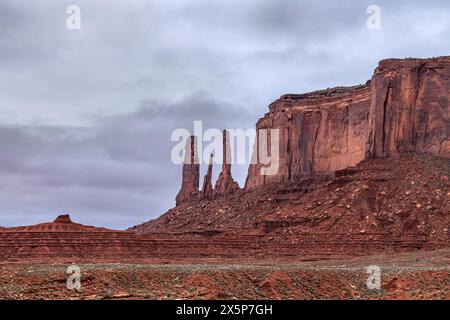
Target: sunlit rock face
[[409, 109]]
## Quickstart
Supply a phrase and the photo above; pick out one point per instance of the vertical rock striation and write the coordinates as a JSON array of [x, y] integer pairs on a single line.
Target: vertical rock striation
[[410, 107], [323, 131], [225, 183], [191, 173]]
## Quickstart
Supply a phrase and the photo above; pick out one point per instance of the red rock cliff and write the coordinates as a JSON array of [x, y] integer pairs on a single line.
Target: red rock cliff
[[403, 108], [409, 109]]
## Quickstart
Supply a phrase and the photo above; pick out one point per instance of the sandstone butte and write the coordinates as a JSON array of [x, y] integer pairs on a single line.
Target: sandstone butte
[[363, 170]]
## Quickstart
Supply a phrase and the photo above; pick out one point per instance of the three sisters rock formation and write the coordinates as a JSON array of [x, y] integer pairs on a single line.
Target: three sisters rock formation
[[403, 108]]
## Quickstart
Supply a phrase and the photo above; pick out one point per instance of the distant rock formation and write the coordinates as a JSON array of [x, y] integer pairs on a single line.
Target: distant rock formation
[[404, 108], [65, 218], [191, 174]]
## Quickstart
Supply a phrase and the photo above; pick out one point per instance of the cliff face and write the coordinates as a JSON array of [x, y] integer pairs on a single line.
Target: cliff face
[[403, 108], [409, 109], [323, 131]]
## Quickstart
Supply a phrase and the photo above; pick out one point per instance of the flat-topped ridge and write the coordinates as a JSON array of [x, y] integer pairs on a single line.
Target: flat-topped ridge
[[335, 92]]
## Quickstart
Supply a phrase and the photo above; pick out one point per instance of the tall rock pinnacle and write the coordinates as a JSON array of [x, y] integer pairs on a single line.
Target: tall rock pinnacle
[[191, 173], [225, 183], [207, 190]]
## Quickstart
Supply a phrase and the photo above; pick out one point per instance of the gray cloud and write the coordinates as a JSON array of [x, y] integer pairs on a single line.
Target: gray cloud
[[116, 172], [86, 115]]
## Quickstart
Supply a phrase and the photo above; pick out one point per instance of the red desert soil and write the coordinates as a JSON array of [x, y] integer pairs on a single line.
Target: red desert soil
[[423, 275]]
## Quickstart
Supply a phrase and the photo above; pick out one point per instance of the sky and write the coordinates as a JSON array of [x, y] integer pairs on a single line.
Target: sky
[[86, 115]]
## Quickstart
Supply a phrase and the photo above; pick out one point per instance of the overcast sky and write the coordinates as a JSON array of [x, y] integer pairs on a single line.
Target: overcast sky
[[86, 115]]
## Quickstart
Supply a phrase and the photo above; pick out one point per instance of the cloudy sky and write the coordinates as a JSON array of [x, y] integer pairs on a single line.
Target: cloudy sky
[[86, 115]]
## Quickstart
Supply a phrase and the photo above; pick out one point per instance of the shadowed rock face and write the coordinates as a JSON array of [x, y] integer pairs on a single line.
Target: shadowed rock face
[[207, 190], [404, 108]]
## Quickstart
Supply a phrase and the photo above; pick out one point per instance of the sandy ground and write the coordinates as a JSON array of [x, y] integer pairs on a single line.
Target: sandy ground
[[422, 275]]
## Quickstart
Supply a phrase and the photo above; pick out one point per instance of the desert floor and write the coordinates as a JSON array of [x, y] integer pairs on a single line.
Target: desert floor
[[421, 275]]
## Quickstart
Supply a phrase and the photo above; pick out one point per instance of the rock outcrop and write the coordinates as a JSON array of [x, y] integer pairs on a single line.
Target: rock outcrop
[[225, 183], [65, 219], [207, 190], [191, 173], [404, 108]]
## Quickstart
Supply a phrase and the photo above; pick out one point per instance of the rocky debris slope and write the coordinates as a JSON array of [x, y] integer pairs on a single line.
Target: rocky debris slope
[[391, 204], [397, 204]]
